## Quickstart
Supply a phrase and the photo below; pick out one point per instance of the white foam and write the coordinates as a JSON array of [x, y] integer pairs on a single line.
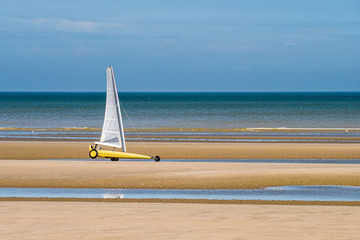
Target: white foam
[[113, 196]]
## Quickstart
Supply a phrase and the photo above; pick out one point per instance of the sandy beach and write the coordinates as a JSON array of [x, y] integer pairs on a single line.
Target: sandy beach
[[185, 150], [176, 175], [21, 166], [172, 175], [92, 220]]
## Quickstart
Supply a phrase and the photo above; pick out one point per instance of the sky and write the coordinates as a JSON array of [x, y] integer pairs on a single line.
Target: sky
[[176, 46]]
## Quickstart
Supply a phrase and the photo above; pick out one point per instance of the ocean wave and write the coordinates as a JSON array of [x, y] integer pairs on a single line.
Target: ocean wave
[[61, 129], [174, 129], [259, 129]]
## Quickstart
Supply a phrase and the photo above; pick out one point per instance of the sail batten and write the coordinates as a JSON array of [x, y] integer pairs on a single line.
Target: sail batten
[[112, 133]]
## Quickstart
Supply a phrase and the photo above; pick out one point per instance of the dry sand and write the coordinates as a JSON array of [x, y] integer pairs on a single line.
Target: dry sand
[[186, 150], [171, 175], [124, 220], [89, 220]]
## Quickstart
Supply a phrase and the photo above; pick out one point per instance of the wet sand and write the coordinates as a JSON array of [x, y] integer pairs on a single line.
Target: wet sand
[[186, 150], [23, 218], [172, 175], [94, 220], [193, 201]]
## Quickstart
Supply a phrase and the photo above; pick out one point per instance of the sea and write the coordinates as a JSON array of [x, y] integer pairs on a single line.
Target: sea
[[79, 115]]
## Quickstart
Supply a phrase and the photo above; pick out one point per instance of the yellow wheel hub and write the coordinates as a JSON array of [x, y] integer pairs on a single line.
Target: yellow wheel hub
[[93, 153]]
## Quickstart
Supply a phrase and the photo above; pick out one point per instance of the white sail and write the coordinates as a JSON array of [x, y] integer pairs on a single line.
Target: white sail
[[112, 133]]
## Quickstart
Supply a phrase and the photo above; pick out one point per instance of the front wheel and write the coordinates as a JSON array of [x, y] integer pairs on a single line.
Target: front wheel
[[157, 159], [93, 153], [114, 159]]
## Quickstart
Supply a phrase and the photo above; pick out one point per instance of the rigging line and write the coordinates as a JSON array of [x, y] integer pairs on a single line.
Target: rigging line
[[132, 125]]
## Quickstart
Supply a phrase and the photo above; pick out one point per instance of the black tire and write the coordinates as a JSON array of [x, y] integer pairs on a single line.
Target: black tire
[[93, 153], [114, 159], [157, 159]]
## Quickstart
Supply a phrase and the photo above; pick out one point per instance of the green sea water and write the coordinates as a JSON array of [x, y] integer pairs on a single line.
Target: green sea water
[[183, 110]]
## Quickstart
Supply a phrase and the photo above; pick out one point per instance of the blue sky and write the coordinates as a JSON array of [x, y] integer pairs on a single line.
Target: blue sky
[[180, 45]]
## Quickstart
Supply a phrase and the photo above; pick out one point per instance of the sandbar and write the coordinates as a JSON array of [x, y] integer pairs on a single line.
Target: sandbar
[[171, 175], [185, 150]]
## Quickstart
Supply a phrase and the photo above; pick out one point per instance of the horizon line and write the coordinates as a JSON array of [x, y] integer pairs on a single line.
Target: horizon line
[[182, 91]]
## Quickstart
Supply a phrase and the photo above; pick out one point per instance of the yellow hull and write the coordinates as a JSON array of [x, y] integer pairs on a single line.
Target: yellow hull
[[115, 154]]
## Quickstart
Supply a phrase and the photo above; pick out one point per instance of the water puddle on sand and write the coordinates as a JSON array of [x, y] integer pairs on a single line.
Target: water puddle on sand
[[286, 193]]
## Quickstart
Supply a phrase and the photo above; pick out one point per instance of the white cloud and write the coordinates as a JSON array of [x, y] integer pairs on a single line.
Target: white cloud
[[61, 25], [77, 26], [231, 48]]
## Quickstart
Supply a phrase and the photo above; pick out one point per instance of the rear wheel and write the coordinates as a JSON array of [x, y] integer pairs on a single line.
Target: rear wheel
[[93, 153], [157, 159], [114, 159]]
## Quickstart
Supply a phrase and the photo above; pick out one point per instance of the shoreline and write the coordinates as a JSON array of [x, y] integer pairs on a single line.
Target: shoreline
[[197, 139], [191, 129], [187, 201]]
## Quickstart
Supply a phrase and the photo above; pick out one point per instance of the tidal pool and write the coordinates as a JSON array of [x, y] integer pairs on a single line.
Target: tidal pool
[[286, 193]]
